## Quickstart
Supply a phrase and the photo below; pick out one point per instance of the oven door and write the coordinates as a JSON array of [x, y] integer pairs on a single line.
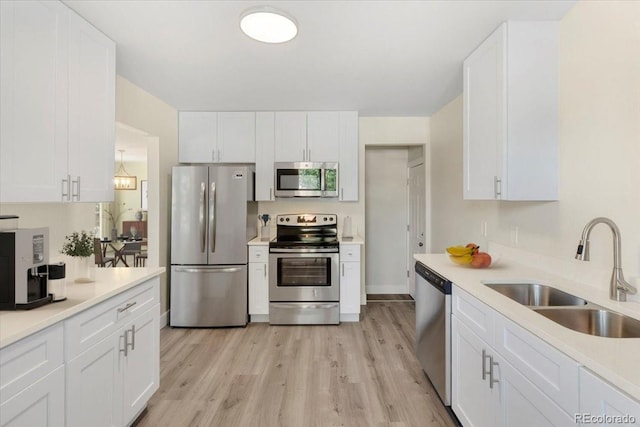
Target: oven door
[[303, 277]]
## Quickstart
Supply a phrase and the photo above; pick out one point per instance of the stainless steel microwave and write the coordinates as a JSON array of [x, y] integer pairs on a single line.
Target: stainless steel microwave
[[306, 179]]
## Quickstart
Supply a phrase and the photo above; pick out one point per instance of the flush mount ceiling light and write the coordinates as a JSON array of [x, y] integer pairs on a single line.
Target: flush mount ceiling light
[[268, 25]]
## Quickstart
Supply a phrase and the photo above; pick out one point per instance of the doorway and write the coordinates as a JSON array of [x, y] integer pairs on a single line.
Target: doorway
[[416, 171]]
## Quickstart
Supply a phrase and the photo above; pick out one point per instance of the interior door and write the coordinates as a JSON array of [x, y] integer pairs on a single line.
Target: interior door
[[417, 225]]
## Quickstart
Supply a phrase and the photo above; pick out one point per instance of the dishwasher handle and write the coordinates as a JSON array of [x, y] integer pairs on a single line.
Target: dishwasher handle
[[440, 283]]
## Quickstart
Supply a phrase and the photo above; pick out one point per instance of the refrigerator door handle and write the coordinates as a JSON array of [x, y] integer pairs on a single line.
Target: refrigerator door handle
[[203, 215], [212, 218], [208, 270]]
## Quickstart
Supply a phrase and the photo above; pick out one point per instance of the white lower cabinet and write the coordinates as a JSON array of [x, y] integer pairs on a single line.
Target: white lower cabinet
[[259, 283], [349, 282], [110, 383], [515, 379], [40, 404], [601, 404]]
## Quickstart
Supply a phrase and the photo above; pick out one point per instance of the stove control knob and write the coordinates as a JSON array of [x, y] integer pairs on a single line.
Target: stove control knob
[[287, 219], [325, 219], [281, 219]]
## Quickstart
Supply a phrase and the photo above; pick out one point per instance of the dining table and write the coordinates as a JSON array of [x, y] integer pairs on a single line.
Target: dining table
[[119, 248]]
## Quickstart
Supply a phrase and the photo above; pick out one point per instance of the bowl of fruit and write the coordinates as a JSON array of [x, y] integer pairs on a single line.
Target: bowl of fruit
[[469, 255]]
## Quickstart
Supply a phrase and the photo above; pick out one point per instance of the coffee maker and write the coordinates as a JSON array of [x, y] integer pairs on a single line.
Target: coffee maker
[[24, 257]]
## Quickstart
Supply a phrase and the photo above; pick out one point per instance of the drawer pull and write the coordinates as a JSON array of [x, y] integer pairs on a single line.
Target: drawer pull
[[126, 307]]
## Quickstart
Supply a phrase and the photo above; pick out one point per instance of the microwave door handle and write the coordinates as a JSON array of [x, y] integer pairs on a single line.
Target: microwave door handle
[[202, 217], [323, 182], [212, 217]]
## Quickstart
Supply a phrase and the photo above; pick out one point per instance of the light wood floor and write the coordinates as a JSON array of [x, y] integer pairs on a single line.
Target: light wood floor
[[354, 374]]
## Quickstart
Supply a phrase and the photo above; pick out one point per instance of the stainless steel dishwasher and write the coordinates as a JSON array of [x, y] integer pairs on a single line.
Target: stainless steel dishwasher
[[433, 329]]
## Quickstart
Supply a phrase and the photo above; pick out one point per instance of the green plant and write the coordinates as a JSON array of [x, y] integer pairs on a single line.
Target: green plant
[[114, 219], [78, 244]]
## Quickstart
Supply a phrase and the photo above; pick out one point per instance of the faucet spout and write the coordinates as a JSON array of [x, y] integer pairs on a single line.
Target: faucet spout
[[619, 286]]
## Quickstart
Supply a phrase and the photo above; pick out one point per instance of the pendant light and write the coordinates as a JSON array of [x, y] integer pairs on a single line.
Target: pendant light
[[268, 25], [122, 180]]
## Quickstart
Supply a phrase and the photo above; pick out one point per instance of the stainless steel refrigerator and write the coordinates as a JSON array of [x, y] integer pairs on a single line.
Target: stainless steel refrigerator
[[213, 218]]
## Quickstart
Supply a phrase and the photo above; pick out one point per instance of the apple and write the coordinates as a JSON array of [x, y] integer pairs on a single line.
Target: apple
[[481, 260]]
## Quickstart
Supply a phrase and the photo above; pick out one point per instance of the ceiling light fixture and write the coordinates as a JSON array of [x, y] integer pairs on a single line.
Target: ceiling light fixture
[[268, 25], [122, 180]]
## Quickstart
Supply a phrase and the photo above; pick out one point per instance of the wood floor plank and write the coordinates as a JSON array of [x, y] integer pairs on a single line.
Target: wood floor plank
[[353, 374]]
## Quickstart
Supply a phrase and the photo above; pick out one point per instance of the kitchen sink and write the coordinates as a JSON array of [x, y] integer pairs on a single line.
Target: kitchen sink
[[597, 321], [533, 294]]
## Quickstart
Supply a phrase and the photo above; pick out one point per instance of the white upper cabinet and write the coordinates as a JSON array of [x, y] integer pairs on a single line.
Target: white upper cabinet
[[265, 144], [291, 137], [348, 157], [510, 114], [210, 137], [323, 136], [92, 111], [57, 109]]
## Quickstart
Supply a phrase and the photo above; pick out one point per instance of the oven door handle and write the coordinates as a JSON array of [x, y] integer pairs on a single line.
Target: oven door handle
[[304, 251]]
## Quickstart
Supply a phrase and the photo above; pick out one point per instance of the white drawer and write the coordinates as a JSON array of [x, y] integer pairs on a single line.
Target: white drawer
[[258, 254], [550, 370], [26, 361], [96, 323], [349, 253], [473, 313]]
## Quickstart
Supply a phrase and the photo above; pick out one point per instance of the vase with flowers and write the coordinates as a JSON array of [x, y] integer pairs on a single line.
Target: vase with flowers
[[114, 219], [79, 246]]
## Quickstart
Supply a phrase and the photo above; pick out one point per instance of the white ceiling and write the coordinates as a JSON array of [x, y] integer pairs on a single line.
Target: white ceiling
[[386, 58]]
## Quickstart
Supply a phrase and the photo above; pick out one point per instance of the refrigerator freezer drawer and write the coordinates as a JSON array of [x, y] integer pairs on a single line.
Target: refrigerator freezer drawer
[[208, 296]]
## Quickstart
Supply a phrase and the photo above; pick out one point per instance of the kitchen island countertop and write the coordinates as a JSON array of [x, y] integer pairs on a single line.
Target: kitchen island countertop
[[109, 282], [615, 359]]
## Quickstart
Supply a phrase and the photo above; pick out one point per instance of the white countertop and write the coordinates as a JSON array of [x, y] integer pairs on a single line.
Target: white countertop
[[615, 359], [18, 324]]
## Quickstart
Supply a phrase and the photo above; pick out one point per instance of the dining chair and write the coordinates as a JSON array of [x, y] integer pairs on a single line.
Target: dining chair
[[100, 259], [141, 259], [131, 248]]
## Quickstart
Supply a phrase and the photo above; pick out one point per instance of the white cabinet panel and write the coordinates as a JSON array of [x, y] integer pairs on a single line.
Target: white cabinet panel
[[33, 100], [92, 112], [349, 282], [265, 156], [236, 137], [291, 137], [510, 138], [141, 365], [40, 404], [602, 404], [258, 290], [197, 137], [94, 385], [348, 156], [323, 136], [58, 106]]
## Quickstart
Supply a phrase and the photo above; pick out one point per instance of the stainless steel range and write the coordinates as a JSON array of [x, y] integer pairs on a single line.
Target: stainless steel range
[[304, 287]]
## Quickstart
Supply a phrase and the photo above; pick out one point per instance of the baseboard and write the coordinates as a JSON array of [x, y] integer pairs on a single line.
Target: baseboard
[[164, 319], [386, 289]]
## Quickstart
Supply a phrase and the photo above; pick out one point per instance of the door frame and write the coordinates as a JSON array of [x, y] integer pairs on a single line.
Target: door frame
[[409, 252]]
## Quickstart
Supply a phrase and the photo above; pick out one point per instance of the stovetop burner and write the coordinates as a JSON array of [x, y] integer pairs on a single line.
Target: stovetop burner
[[306, 231]]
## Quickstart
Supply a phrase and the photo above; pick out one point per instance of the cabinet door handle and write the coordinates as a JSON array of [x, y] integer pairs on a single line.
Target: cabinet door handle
[[304, 155], [270, 193], [492, 381], [497, 187], [264, 266], [77, 193], [309, 154], [342, 193], [484, 368], [126, 307], [219, 156], [66, 191], [342, 266], [133, 337], [126, 344]]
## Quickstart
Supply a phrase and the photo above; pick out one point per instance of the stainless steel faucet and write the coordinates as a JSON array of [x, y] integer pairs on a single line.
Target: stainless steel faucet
[[619, 287]]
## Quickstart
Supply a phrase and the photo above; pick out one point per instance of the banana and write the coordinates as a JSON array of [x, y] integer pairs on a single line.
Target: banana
[[461, 260], [458, 251]]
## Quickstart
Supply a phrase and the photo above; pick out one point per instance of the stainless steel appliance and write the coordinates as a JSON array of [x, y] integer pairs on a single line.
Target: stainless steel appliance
[[213, 218], [306, 179], [433, 329], [304, 281], [24, 256]]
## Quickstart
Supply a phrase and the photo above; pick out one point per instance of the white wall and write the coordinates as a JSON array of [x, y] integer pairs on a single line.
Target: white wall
[[143, 111], [386, 196], [599, 150]]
